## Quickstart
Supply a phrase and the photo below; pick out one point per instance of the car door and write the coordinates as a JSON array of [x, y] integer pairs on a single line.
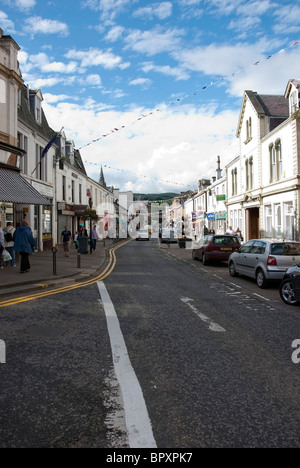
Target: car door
[[242, 258], [255, 256], [204, 242]]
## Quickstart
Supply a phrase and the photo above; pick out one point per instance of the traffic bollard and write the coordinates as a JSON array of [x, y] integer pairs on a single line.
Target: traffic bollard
[[78, 260], [54, 250]]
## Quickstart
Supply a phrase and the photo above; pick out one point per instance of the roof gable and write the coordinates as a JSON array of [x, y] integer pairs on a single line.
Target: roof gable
[[275, 107]]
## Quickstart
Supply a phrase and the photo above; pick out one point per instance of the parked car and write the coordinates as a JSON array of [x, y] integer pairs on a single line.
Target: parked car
[[215, 248], [142, 234], [168, 235], [289, 288], [264, 260]]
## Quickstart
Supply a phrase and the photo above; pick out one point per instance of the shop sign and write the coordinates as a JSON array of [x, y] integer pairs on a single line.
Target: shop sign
[[221, 215], [221, 197]]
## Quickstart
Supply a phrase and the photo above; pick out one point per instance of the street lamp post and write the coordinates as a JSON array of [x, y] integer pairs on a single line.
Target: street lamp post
[[91, 245]]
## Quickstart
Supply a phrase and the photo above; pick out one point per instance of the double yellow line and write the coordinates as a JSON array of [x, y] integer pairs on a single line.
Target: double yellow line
[[110, 267]]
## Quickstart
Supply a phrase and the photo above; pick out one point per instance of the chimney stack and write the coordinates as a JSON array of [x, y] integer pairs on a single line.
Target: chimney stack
[[219, 170]]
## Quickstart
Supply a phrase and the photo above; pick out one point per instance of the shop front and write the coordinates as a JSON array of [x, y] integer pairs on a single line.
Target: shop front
[[220, 224], [65, 217], [18, 198]]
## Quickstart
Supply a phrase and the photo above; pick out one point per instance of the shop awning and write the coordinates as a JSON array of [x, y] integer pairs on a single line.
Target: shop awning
[[15, 189]]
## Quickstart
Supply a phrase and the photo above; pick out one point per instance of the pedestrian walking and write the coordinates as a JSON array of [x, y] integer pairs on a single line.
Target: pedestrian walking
[[9, 231], [95, 237], [2, 246], [65, 239], [230, 231], [25, 244], [75, 240], [239, 235]]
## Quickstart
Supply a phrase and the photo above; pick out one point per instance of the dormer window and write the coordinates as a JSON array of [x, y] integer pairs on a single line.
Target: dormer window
[[248, 130], [36, 104], [294, 102], [38, 113]]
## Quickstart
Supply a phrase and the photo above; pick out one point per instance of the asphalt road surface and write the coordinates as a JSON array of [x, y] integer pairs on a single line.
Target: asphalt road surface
[[162, 354]]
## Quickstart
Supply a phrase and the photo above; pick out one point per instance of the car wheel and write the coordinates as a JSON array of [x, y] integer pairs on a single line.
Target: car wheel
[[286, 292], [232, 270], [204, 259], [261, 279]]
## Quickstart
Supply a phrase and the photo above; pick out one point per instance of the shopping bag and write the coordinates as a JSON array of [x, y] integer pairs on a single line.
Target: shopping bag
[[6, 256]]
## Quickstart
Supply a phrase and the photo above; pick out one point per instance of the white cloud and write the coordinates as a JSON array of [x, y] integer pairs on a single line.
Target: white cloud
[[179, 145], [185, 3], [288, 20], [25, 4], [109, 9], [160, 10], [96, 57], [256, 8], [60, 67], [114, 34], [37, 25], [93, 80], [224, 7], [154, 41], [176, 72], [145, 83], [216, 59], [6, 24], [40, 83], [53, 99], [269, 76]]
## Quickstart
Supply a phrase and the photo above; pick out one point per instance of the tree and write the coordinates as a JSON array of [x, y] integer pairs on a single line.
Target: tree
[[90, 215]]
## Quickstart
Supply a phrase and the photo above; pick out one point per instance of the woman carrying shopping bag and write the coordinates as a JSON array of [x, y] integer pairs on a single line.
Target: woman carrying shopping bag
[[25, 244]]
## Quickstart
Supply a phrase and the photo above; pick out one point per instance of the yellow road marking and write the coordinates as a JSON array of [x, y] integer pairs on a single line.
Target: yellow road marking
[[108, 270]]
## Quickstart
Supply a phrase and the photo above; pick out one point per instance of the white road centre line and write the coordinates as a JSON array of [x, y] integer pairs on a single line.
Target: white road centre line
[[211, 325], [139, 429]]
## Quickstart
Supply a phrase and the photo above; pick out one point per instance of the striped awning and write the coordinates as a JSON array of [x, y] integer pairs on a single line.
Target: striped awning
[[15, 189]]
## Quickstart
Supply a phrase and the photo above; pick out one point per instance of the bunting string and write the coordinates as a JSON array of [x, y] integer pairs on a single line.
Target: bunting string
[[140, 176], [179, 100]]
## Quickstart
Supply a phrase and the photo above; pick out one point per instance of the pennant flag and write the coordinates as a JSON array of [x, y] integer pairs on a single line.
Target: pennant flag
[[48, 146], [53, 139]]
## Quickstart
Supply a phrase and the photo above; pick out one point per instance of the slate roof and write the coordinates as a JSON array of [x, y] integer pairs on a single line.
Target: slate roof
[[26, 116], [270, 105], [275, 107]]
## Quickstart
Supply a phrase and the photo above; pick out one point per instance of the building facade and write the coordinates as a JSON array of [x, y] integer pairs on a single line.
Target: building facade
[[42, 175], [263, 181]]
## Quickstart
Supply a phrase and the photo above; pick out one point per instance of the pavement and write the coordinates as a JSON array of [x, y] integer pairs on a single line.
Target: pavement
[[42, 274], [74, 269]]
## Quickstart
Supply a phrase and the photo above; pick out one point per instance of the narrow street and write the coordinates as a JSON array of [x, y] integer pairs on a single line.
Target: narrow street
[[212, 359]]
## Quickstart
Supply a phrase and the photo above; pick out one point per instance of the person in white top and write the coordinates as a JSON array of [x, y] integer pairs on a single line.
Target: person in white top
[[230, 231]]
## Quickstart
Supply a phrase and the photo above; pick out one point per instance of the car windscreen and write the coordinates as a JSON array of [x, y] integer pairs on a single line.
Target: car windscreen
[[286, 248], [225, 240]]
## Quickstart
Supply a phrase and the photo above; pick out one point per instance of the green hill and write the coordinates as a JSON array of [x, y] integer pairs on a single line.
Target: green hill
[[155, 197]]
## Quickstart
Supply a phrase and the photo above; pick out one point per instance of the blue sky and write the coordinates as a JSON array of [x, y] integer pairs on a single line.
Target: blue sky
[[168, 75]]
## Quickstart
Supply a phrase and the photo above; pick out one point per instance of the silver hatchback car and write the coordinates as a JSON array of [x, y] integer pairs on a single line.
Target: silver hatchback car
[[264, 260]]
